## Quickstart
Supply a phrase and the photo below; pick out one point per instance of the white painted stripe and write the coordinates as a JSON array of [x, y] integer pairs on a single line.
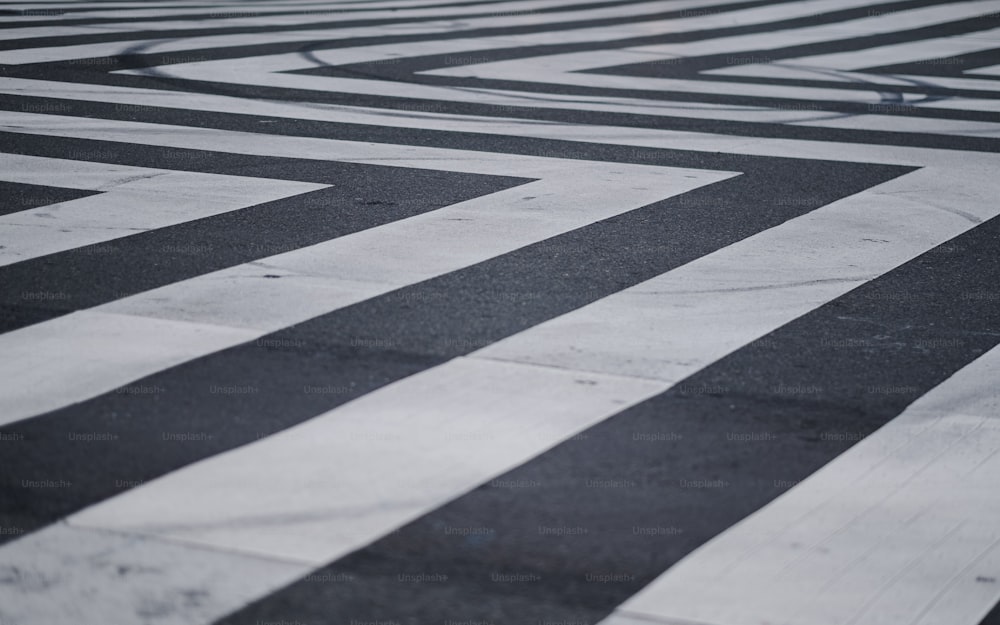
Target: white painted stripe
[[790, 114], [845, 66], [133, 200], [69, 174], [412, 156], [561, 69], [426, 439], [656, 329], [199, 8], [918, 51], [418, 117], [639, 137], [172, 8], [951, 127], [246, 18], [365, 468], [992, 70], [157, 581], [519, 70], [250, 71], [79, 349], [160, 45], [323, 277], [391, 455], [172, 578], [811, 113], [902, 528], [876, 22], [247, 72]]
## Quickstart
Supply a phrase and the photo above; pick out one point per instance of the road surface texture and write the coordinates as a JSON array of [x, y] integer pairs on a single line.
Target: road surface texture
[[500, 312]]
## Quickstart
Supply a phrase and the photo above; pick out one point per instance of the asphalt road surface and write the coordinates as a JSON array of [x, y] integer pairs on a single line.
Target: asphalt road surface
[[500, 312]]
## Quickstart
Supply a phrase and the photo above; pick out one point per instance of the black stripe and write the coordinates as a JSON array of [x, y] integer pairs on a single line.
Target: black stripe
[[145, 60], [70, 40], [470, 141], [335, 130], [406, 69], [950, 65], [423, 325], [362, 196], [888, 92], [813, 387], [224, 12], [993, 618], [690, 67], [19, 196], [93, 5], [51, 70]]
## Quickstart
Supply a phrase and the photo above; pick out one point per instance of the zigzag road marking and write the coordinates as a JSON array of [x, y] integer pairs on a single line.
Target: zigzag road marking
[[471, 433], [366, 486], [236, 305], [223, 21], [899, 529], [162, 45], [558, 534], [133, 199], [843, 66]]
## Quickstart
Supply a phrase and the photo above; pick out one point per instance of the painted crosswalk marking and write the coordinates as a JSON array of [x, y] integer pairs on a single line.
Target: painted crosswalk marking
[[132, 199], [240, 303], [689, 228], [891, 531]]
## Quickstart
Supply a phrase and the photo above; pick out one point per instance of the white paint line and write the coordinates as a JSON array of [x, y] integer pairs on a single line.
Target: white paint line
[[613, 135], [363, 469], [562, 69], [846, 66], [917, 51], [380, 460], [127, 579], [74, 354], [430, 437], [656, 329], [992, 70], [133, 200], [222, 18], [902, 528], [876, 22], [243, 304], [163, 45]]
